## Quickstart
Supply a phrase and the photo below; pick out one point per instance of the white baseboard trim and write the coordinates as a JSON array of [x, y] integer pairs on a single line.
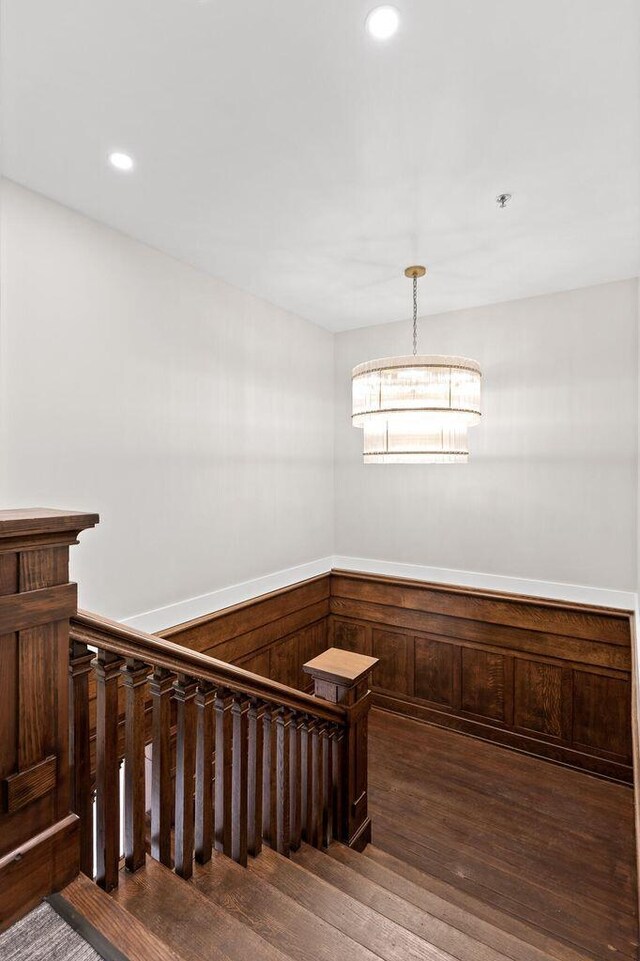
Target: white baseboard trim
[[187, 610], [165, 617], [550, 590]]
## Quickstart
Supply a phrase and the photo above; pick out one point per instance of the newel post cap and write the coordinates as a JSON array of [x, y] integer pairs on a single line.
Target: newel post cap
[[41, 527], [340, 676]]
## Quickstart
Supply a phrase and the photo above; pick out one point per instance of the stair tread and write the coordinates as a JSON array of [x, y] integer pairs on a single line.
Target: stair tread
[[297, 931], [124, 931], [372, 929], [506, 932], [388, 904], [191, 924]]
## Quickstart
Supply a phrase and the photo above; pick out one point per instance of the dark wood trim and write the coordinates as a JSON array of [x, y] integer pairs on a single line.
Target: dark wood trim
[[255, 612], [43, 864], [39, 838], [29, 785], [44, 520], [19, 612], [564, 608]]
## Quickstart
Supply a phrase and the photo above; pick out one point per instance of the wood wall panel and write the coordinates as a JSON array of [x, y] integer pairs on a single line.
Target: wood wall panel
[[351, 637], [538, 697], [602, 708], [544, 677], [437, 672], [395, 653], [484, 683]]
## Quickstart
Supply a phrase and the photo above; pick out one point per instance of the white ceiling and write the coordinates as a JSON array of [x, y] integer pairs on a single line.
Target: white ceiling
[[280, 148]]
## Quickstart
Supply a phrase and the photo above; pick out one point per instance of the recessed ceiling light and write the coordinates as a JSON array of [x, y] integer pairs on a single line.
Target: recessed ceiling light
[[383, 22], [121, 161]]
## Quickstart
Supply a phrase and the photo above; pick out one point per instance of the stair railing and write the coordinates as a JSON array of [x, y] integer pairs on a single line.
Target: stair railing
[[236, 758]]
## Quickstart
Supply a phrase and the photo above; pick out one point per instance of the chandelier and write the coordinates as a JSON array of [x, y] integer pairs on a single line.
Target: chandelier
[[416, 409]]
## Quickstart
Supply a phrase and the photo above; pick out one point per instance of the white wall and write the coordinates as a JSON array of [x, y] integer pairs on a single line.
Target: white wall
[[195, 418], [550, 491], [200, 422]]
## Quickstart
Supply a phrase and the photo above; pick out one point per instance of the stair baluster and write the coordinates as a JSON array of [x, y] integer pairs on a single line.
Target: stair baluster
[[268, 832], [305, 776], [107, 668], [239, 778], [204, 771], [295, 783], [254, 779], [184, 692], [161, 688], [315, 789], [80, 658], [224, 761], [327, 807], [135, 684], [337, 767], [283, 720]]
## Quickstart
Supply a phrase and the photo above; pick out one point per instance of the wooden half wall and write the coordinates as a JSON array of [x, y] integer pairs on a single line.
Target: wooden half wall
[[548, 678], [273, 635]]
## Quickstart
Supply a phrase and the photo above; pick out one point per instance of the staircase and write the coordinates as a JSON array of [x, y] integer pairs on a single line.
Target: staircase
[[257, 842], [314, 906], [185, 808]]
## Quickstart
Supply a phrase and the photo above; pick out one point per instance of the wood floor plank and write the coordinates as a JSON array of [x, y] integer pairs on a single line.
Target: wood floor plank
[[552, 847], [193, 926], [531, 866], [470, 790], [571, 923], [560, 802]]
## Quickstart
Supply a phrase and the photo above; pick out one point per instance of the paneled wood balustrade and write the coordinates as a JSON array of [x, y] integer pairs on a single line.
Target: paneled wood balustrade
[[236, 759]]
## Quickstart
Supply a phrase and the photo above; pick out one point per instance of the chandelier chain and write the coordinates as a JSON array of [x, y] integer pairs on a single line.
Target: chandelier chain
[[415, 315]]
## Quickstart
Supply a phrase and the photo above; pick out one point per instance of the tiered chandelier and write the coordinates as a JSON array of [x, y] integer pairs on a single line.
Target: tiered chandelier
[[416, 409]]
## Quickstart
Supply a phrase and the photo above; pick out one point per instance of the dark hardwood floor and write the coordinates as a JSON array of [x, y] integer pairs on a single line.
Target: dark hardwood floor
[[546, 845]]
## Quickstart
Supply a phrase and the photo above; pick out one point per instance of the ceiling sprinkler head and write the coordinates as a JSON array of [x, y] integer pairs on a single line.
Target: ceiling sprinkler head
[[502, 200]]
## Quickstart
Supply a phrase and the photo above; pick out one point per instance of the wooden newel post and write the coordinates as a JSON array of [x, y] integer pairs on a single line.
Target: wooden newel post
[[39, 834], [342, 677]]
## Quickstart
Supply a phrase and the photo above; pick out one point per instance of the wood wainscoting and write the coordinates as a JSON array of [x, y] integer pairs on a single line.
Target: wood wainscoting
[[548, 678], [273, 635]]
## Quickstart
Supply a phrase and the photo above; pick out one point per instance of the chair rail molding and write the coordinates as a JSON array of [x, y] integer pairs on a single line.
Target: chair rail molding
[[170, 615], [161, 618], [478, 580]]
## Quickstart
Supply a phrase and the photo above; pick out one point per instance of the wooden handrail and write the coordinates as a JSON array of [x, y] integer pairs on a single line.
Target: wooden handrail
[[117, 638]]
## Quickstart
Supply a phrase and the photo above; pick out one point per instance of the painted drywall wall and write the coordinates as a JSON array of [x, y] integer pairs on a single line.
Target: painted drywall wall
[[550, 491], [196, 419]]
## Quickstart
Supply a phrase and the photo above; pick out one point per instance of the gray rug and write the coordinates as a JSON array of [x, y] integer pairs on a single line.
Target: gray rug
[[42, 935]]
